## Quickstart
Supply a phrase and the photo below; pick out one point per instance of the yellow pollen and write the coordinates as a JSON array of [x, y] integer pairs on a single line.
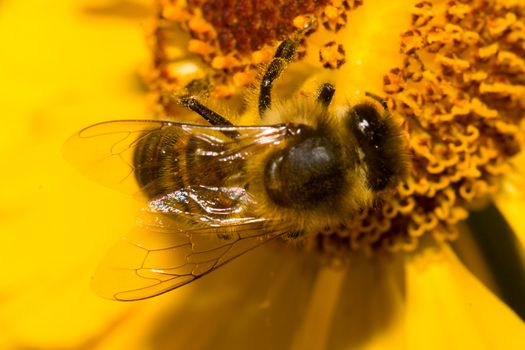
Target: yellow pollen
[[175, 13], [199, 25], [331, 12], [222, 91], [224, 62], [262, 56], [199, 47], [243, 78]]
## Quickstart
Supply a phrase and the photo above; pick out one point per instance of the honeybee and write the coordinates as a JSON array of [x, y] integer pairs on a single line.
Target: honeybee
[[214, 192]]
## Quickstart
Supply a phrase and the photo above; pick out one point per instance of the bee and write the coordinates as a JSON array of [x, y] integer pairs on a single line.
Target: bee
[[213, 192]]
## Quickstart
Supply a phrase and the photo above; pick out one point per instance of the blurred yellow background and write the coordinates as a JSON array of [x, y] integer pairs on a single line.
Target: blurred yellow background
[[63, 65]]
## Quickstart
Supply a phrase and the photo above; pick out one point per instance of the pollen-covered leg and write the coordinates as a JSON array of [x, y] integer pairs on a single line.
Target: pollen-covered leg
[[325, 94], [284, 54]]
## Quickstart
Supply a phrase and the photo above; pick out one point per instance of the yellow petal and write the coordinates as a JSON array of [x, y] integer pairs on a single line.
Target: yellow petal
[[448, 308], [360, 307], [425, 300], [61, 69], [511, 201]]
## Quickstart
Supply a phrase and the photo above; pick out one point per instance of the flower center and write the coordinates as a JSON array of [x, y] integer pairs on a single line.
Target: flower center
[[457, 87]]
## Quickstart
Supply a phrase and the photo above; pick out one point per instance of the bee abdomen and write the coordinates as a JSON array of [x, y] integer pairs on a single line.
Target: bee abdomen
[[168, 160], [307, 175], [156, 160]]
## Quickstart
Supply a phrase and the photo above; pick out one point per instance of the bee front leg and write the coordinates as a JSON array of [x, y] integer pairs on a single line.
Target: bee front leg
[[284, 54]]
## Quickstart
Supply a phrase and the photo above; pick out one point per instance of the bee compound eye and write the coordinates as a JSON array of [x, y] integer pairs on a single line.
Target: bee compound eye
[[367, 125], [379, 140]]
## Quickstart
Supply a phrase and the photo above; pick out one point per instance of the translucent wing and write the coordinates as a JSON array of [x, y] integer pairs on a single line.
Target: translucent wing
[[197, 205], [197, 216], [107, 152], [104, 151], [149, 262]]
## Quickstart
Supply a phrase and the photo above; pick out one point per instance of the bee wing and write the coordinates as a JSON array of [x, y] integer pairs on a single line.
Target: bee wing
[[148, 262], [106, 151], [197, 206], [188, 228]]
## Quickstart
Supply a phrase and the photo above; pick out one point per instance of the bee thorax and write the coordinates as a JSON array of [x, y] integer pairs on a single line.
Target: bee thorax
[[306, 175]]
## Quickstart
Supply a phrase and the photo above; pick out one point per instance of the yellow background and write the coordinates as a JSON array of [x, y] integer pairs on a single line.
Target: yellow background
[[63, 65]]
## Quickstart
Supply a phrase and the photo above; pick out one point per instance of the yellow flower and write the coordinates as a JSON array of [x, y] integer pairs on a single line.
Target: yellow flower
[[400, 286]]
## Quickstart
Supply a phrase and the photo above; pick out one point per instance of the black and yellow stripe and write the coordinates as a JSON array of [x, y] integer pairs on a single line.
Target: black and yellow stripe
[[170, 160]]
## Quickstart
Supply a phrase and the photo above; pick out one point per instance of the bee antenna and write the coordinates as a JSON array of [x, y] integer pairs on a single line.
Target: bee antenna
[[378, 99]]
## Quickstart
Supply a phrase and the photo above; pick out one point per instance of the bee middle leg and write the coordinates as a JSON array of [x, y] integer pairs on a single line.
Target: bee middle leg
[[212, 117], [284, 54]]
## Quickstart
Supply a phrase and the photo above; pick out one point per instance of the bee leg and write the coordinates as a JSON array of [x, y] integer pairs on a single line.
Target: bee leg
[[325, 94], [198, 87], [294, 234], [284, 54], [211, 116], [378, 99]]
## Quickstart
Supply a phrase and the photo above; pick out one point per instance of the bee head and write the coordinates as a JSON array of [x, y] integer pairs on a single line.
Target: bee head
[[380, 143]]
